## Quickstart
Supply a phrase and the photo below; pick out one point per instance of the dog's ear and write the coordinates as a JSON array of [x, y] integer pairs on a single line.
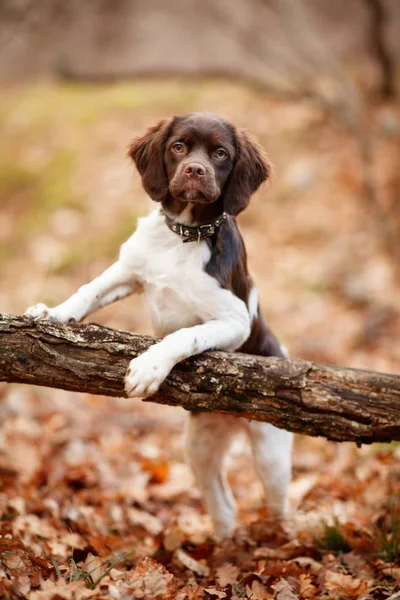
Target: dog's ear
[[251, 169], [147, 152]]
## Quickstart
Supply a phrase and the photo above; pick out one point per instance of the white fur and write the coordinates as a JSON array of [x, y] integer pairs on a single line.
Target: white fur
[[192, 313], [208, 439], [284, 350], [252, 303]]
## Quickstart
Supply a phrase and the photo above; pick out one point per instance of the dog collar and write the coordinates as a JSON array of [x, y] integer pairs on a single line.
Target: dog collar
[[194, 234]]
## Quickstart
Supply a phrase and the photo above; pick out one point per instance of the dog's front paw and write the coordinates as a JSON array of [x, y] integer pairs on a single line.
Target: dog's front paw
[[38, 311], [145, 374], [41, 311]]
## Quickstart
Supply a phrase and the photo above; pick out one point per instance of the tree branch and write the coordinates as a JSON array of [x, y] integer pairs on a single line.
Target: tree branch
[[301, 396]]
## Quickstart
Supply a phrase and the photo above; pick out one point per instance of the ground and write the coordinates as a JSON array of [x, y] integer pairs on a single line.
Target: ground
[[95, 498]]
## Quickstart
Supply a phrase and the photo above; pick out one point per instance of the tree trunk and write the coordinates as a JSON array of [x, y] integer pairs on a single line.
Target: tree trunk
[[377, 36], [301, 396]]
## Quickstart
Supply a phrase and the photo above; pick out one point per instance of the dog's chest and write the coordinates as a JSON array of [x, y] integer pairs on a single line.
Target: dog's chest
[[179, 292]]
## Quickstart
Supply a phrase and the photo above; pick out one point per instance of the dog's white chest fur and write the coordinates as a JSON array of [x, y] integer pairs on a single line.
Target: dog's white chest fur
[[178, 290]]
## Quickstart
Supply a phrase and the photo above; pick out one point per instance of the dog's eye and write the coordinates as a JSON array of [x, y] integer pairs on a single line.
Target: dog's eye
[[178, 148], [221, 153]]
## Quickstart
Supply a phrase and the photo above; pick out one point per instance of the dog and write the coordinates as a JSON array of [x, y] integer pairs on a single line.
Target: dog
[[189, 259]]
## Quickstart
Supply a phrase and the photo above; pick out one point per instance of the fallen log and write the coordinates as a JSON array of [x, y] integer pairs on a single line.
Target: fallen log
[[305, 397]]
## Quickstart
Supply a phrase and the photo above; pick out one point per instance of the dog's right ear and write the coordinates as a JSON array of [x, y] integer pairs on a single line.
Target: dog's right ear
[[251, 169], [147, 152]]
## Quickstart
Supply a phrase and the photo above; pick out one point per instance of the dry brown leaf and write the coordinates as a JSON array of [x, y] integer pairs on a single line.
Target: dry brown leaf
[[393, 572], [307, 589], [258, 591], [284, 552], [300, 487], [214, 592], [158, 470], [149, 580], [344, 584], [358, 566], [31, 525], [94, 565], [22, 585], [146, 520], [104, 545], [173, 538], [227, 574], [61, 590], [58, 549], [136, 487], [191, 592], [285, 591], [307, 562], [13, 560], [190, 563], [25, 457], [180, 480]]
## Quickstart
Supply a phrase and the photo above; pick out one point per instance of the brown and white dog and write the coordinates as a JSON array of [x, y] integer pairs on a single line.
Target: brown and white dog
[[188, 258]]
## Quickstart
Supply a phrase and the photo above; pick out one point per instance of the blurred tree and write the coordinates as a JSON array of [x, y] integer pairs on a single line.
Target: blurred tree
[[378, 19], [295, 48], [348, 103]]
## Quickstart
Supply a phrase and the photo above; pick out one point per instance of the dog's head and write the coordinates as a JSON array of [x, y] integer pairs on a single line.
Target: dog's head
[[200, 158]]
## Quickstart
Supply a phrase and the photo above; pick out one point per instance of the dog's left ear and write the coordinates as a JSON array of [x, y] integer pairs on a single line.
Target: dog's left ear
[[147, 152], [251, 169]]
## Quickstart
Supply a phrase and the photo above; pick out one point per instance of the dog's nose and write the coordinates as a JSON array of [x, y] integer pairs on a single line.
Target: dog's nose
[[195, 171]]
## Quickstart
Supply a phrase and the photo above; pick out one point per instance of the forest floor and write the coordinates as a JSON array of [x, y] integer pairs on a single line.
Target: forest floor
[[95, 498]]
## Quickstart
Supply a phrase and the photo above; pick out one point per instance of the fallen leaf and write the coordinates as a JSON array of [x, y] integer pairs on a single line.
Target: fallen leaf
[[227, 574], [191, 592], [159, 470], [300, 487], [12, 561], [22, 585], [307, 562], [61, 590], [94, 566], [284, 552], [345, 585], [257, 591], [149, 580], [306, 589], [393, 572], [192, 564], [214, 592], [180, 480], [31, 525], [358, 565], [285, 591], [173, 538], [146, 520]]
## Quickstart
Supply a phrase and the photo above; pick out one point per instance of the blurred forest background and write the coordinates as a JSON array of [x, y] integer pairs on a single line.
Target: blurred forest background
[[88, 478]]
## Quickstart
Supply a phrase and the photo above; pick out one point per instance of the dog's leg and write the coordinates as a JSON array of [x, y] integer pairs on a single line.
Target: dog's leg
[[208, 438], [146, 373], [272, 451], [116, 282]]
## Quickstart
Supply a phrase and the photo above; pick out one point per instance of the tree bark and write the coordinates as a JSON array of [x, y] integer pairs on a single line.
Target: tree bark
[[301, 396]]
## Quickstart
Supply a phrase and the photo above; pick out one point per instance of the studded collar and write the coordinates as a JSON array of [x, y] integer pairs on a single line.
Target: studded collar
[[194, 234]]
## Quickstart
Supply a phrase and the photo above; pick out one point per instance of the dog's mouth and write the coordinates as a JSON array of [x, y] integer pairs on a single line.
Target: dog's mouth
[[192, 195], [194, 191]]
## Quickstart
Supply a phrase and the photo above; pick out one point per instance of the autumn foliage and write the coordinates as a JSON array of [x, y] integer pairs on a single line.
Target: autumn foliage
[[97, 504]]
